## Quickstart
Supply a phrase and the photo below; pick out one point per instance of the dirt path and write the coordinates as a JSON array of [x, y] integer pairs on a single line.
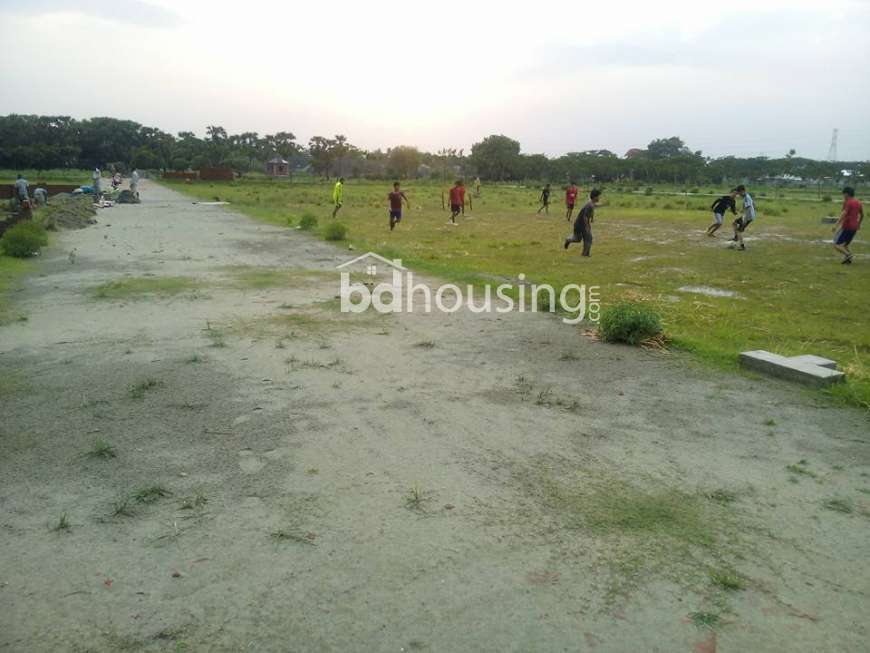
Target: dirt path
[[412, 482]]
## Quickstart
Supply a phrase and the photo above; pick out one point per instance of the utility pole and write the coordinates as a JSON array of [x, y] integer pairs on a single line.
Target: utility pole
[[832, 151]]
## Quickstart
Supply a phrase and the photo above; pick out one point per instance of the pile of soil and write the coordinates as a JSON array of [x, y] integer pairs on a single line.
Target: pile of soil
[[127, 197], [66, 211]]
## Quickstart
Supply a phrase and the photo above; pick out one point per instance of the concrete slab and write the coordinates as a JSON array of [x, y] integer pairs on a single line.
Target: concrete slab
[[797, 368], [815, 360]]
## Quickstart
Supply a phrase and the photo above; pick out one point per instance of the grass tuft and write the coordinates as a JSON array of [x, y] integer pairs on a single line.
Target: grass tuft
[[150, 494], [63, 524], [138, 390], [102, 449]]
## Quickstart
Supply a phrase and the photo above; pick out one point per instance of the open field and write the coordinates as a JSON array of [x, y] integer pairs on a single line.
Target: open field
[[56, 176], [200, 453], [787, 293]]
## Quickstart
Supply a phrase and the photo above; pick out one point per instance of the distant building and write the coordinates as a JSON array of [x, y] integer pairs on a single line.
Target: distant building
[[634, 153], [278, 167]]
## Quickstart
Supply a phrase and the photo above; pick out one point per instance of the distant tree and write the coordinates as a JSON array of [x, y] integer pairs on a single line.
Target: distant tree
[[496, 157], [403, 161], [322, 154], [144, 158], [666, 148]]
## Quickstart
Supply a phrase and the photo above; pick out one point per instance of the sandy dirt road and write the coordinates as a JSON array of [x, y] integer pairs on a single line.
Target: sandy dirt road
[[287, 478]]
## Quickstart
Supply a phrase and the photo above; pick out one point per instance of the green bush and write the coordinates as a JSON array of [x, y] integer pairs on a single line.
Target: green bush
[[335, 231], [826, 198], [629, 322], [290, 220], [308, 221], [23, 240], [648, 190]]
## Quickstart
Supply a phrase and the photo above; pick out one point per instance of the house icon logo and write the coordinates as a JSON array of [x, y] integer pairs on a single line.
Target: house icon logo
[[371, 261]]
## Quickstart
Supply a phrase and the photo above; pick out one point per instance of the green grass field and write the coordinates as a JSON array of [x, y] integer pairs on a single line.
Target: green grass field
[[791, 294], [57, 176]]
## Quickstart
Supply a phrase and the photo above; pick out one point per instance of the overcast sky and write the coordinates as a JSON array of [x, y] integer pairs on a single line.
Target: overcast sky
[[736, 76]]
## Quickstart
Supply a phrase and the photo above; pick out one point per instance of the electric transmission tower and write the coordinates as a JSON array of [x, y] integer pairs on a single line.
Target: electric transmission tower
[[832, 151]]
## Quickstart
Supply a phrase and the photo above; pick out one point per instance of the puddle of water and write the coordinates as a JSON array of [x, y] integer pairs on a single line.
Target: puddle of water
[[707, 290]]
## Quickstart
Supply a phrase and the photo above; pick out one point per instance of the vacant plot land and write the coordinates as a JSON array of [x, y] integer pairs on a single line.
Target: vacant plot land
[[787, 293], [198, 452]]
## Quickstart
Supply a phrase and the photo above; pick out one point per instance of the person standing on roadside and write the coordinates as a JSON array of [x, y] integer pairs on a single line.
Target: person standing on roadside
[[134, 183], [22, 193], [97, 178]]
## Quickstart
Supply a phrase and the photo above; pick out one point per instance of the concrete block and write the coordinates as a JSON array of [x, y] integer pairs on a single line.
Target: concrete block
[[792, 369], [815, 360]]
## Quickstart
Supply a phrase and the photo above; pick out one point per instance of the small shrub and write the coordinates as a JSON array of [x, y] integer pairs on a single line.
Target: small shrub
[[23, 240], [629, 322], [307, 222], [290, 220], [648, 191], [335, 231], [826, 198]]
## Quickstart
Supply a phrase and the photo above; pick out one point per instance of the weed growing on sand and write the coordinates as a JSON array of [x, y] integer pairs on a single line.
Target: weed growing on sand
[[63, 524], [195, 358], [524, 386], [800, 467], [425, 344], [196, 500], [707, 620], [568, 356], [150, 494], [726, 579], [839, 505], [123, 508], [136, 287], [287, 535], [102, 449], [769, 422], [215, 335], [138, 390], [544, 397], [721, 496], [416, 499]]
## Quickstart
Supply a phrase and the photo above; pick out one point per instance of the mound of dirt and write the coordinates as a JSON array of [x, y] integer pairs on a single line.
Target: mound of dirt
[[66, 211], [127, 197]]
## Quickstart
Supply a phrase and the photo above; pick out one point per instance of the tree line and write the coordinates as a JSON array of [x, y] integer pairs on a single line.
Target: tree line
[[46, 142]]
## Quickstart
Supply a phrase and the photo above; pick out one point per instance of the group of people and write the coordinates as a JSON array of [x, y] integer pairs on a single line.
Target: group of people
[[728, 203], [851, 216], [40, 195], [847, 226]]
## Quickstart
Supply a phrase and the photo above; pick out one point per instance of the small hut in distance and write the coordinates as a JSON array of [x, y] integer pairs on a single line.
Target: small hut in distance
[[278, 167]]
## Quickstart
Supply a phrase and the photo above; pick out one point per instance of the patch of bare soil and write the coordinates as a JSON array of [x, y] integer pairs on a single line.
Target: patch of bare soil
[[199, 454]]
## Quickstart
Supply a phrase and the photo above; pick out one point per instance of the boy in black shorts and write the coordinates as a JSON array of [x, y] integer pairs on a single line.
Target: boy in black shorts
[[583, 224], [396, 198], [545, 200]]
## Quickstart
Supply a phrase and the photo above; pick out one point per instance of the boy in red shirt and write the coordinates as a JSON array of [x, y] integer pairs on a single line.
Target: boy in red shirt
[[570, 199], [457, 197], [848, 224], [396, 198]]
